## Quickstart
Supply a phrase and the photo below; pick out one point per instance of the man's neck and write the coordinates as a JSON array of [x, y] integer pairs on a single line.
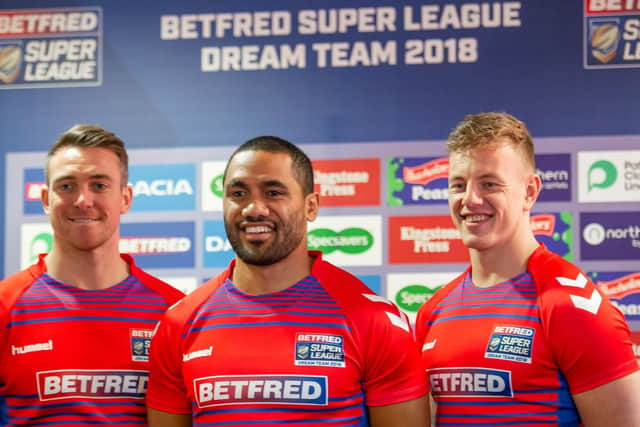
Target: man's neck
[[87, 269], [493, 266], [269, 279]]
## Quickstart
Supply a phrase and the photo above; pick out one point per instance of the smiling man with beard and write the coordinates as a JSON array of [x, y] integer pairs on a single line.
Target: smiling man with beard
[[282, 337]]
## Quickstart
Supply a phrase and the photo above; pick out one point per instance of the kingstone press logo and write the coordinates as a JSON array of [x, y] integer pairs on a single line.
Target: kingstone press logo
[[418, 181], [50, 47], [211, 176], [159, 245], [610, 235], [163, 187], [347, 240], [347, 182], [609, 176], [425, 239]]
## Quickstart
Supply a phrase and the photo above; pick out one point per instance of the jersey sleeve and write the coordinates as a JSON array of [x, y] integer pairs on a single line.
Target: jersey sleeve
[[166, 391], [588, 335], [393, 371]]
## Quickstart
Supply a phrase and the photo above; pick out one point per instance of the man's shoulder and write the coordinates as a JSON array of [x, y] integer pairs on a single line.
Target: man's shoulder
[[184, 309], [550, 271]]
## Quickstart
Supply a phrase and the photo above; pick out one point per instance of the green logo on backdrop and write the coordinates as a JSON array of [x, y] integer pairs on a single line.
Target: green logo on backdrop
[[350, 240], [41, 243], [216, 186], [602, 174], [411, 298]]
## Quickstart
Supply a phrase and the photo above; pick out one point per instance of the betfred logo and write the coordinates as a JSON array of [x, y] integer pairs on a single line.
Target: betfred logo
[[425, 239], [91, 384], [261, 389], [611, 6], [163, 187], [347, 240], [347, 182], [418, 181], [59, 47], [160, 244], [470, 382]]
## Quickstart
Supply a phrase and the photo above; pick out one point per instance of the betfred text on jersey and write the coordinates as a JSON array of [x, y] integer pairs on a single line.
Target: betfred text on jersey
[[252, 389], [92, 384], [470, 382]]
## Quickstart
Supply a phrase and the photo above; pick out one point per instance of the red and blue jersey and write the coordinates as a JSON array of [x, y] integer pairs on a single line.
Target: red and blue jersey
[[514, 353], [70, 356], [316, 353]]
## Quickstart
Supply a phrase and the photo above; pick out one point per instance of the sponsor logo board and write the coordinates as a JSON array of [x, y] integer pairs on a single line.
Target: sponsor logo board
[[217, 251], [163, 187], [159, 244], [347, 240], [609, 176], [347, 182], [410, 291], [417, 181], [425, 239], [211, 189], [610, 235]]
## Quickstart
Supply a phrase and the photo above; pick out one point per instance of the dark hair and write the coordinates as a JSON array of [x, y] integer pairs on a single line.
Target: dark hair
[[484, 128], [300, 163], [90, 136]]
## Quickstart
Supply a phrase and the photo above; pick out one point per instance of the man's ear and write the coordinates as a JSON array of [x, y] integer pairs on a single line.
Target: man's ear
[[532, 191], [311, 206], [44, 198], [127, 199]]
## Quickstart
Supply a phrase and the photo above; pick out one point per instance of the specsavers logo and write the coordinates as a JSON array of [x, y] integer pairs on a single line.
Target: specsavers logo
[[411, 290], [411, 298], [347, 240]]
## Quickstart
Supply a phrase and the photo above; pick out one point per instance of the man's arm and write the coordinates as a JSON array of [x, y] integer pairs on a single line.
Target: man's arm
[[412, 413], [613, 404], [157, 418]]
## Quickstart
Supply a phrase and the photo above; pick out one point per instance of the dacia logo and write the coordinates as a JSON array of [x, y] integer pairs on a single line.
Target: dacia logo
[[162, 187], [350, 240]]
